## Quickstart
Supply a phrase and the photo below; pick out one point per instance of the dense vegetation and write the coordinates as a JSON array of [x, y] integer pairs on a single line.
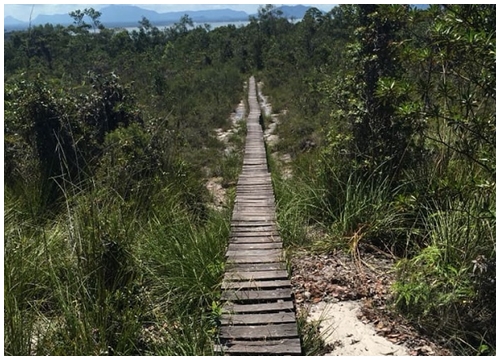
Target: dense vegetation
[[391, 124], [110, 246]]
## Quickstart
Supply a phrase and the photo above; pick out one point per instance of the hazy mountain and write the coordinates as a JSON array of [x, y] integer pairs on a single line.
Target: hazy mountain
[[63, 19], [130, 15], [9, 20], [126, 13], [207, 15], [296, 11]]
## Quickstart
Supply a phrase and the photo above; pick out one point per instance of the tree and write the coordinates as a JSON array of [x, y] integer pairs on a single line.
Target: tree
[[375, 100], [94, 15], [77, 16]]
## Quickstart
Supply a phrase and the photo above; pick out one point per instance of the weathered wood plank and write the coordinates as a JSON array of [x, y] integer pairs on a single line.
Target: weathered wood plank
[[258, 246], [242, 208], [254, 252], [253, 202], [253, 217], [254, 284], [254, 259], [281, 331], [256, 275], [258, 228], [278, 265], [254, 239], [263, 308], [250, 232], [253, 223], [254, 210], [271, 347], [255, 180], [255, 295], [257, 319]]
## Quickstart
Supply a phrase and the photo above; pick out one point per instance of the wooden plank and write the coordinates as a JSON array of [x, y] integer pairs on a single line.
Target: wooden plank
[[257, 226], [254, 199], [281, 331], [259, 177], [255, 295], [255, 180], [255, 240], [256, 275], [254, 259], [263, 308], [253, 217], [278, 265], [252, 190], [253, 222], [258, 236], [254, 210], [255, 189], [255, 236], [254, 252], [254, 228], [239, 202], [271, 347], [257, 319], [268, 230], [242, 208], [253, 284], [253, 194], [247, 213], [259, 246], [254, 185]]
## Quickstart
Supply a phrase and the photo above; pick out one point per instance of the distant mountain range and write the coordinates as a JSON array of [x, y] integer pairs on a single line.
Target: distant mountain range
[[129, 15]]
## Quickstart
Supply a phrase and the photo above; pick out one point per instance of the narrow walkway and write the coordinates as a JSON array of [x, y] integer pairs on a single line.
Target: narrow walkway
[[258, 316]]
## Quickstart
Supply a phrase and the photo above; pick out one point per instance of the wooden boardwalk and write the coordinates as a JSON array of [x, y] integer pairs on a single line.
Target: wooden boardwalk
[[258, 315]]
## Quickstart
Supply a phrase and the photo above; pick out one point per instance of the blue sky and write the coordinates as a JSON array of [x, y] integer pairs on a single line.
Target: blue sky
[[22, 11]]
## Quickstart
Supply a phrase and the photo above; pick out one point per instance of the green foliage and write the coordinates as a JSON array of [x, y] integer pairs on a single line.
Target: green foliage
[[106, 137], [449, 286], [401, 111], [390, 122], [292, 207], [312, 341]]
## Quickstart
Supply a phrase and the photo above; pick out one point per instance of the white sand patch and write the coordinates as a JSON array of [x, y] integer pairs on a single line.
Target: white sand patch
[[341, 327]]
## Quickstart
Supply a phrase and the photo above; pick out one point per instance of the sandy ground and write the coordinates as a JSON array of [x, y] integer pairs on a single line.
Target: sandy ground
[[214, 184], [349, 336]]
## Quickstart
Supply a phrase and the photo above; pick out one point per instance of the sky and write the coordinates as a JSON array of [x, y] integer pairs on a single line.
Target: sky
[[22, 11]]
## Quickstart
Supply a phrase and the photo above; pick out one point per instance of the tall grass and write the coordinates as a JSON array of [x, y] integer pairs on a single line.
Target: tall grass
[[294, 205], [449, 287], [441, 222], [101, 278]]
